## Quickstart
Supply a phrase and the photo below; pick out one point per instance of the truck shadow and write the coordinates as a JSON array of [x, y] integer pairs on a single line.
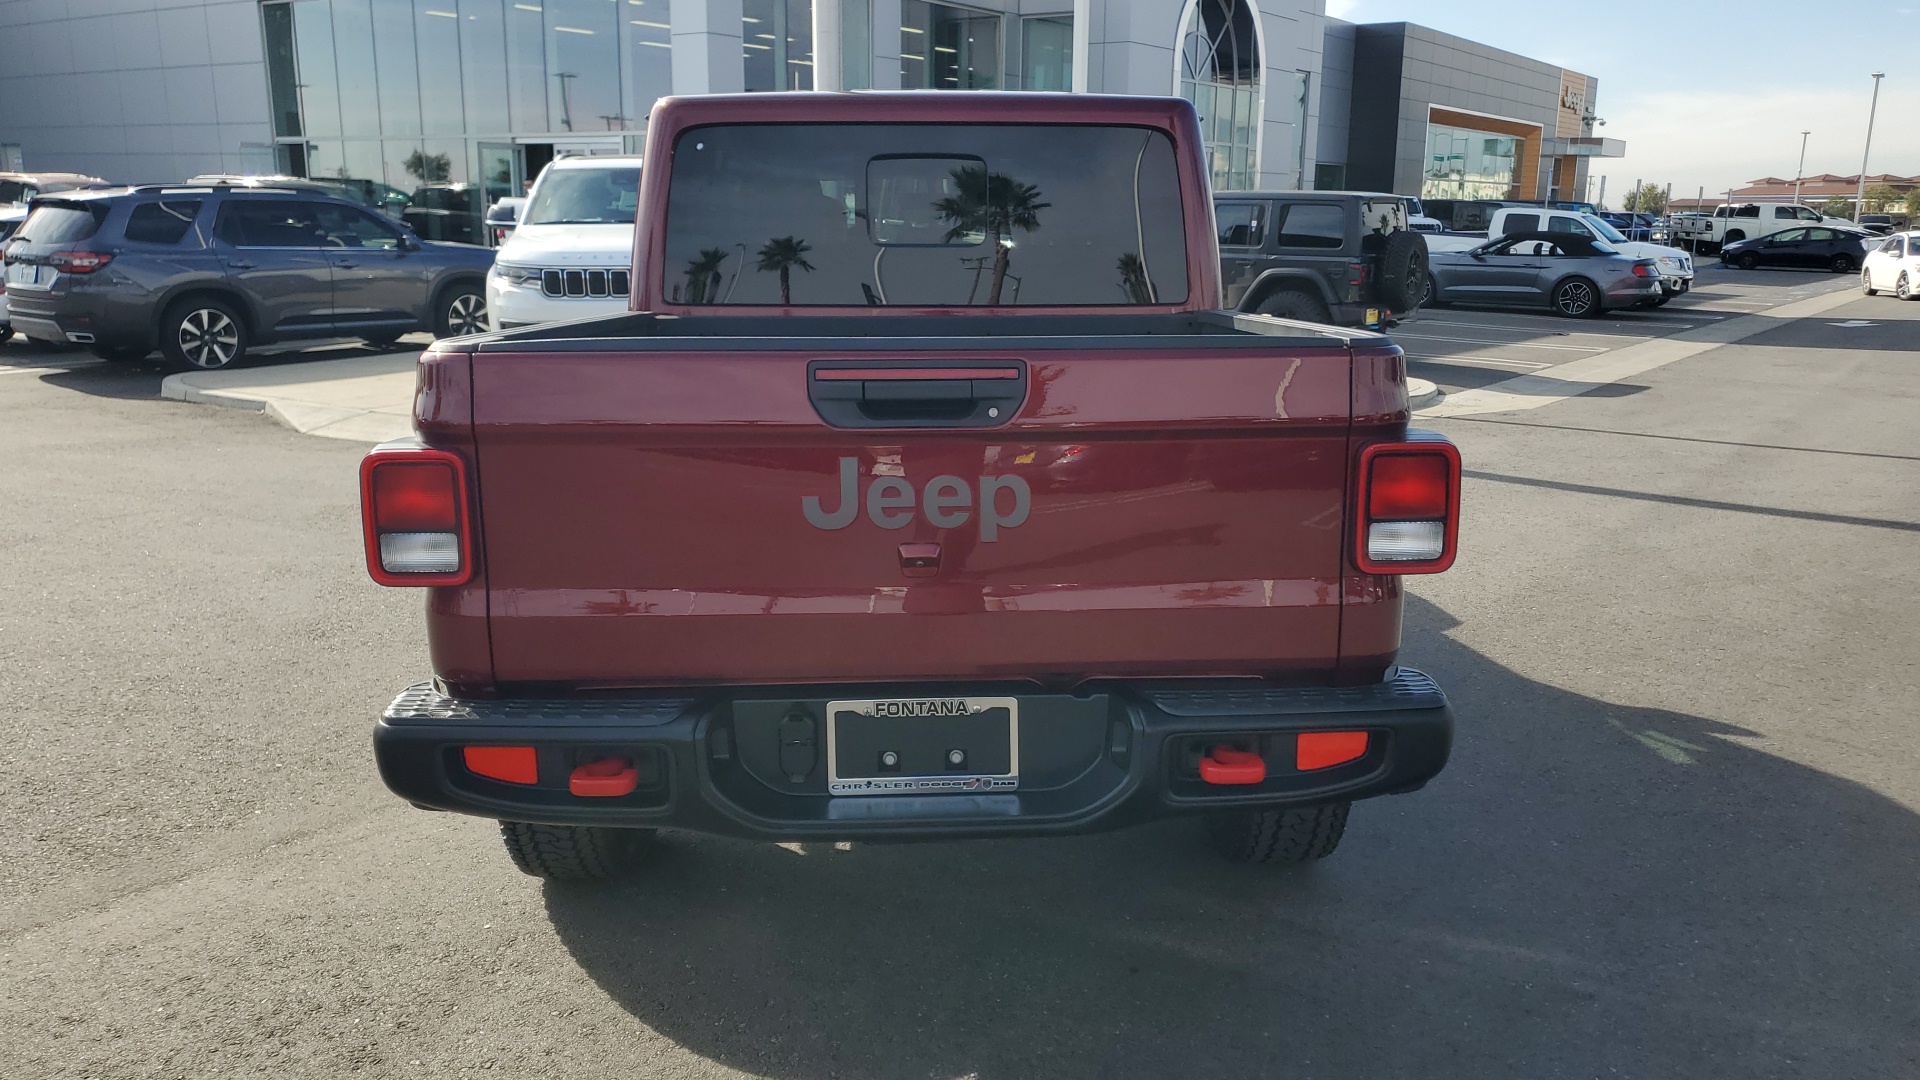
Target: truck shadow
[[1588, 889]]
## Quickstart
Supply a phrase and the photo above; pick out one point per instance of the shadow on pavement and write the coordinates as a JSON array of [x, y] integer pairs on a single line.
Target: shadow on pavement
[[1588, 890], [141, 379]]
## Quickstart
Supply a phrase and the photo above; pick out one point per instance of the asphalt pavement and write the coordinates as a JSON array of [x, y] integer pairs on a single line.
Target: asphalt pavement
[[1678, 836]]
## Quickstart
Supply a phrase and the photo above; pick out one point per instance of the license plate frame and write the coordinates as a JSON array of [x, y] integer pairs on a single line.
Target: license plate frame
[[962, 719], [21, 273]]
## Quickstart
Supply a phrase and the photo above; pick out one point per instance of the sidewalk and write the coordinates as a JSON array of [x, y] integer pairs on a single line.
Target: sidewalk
[[359, 398]]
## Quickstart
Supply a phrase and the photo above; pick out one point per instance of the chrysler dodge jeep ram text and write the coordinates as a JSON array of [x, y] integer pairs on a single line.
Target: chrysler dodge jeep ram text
[[924, 493]]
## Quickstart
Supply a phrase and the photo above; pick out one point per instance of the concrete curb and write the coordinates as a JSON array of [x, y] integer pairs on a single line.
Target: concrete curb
[[1422, 393], [360, 399]]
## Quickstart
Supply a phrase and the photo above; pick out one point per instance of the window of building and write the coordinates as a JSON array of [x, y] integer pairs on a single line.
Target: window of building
[[1046, 49], [1329, 177], [1219, 71], [776, 44], [948, 48], [1465, 164], [403, 96]]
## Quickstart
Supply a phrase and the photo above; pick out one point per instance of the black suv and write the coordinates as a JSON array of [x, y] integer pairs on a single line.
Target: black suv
[[205, 273], [1342, 257]]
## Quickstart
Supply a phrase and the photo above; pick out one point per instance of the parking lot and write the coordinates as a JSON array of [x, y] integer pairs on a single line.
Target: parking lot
[[1677, 837], [1462, 348]]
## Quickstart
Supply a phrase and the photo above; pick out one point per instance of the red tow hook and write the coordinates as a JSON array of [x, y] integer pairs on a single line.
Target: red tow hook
[[1225, 765], [607, 778]]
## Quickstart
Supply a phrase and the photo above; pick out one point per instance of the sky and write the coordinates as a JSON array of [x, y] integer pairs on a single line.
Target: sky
[[1713, 93]]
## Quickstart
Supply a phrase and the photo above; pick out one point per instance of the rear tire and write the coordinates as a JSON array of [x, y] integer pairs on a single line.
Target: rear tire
[[1279, 836], [1294, 304], [1866, 282], [6, 334], [571, 852], [1577, 298], [1903, 287], [459, 311], [1746, 260], [1842, 264], [203, 334]]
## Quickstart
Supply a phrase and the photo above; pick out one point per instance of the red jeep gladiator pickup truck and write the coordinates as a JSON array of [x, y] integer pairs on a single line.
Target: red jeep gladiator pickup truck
[[924, 493]]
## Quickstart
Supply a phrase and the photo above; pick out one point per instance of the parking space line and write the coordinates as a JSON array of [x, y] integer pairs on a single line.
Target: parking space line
[[1509, 344], [1535, 328], [1480, 361]]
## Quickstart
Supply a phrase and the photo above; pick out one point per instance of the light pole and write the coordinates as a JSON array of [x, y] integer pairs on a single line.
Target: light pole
[[1860, 197], [1801, 169]]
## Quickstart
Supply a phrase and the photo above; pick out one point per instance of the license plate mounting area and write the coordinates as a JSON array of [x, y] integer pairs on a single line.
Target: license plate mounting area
[[923, 746]]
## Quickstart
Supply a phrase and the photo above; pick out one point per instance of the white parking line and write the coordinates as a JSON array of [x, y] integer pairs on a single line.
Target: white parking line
[[1480, 361], [1511, 344], [1540, 327]]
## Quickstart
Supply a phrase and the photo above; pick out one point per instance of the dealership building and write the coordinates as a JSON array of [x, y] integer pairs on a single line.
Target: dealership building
[[477, 95]]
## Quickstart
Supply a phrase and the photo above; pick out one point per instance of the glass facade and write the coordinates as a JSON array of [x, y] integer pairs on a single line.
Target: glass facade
[[1220, 73], [448, 104], [776, 39], [1465, 164], [948, 48], [1046, 50]]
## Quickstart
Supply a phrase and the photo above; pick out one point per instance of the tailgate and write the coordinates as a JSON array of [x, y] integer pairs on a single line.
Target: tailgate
[[669, 518]]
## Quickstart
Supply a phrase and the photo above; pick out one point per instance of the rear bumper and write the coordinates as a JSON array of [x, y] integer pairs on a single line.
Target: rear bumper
[[1104, 757]]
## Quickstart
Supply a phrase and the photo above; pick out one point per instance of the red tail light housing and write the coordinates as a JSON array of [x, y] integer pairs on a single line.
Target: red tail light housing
[[1407, 517], [1642, 269], [415, 515], [78, 262]]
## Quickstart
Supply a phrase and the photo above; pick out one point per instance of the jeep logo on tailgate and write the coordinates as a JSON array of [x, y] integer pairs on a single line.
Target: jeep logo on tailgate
[[947, 502]]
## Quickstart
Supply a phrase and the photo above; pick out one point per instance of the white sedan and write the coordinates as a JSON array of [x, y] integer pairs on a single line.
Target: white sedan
[[1893, 266]]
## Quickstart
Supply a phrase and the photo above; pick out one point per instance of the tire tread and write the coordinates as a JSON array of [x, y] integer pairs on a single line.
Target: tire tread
[[1281, 836], [564, 852]]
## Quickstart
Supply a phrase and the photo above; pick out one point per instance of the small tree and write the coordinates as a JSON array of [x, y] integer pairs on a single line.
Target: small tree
[[429, 168], [1912, 205], [1837, 206], [1645, 199], [783, 253], [1879, 197]]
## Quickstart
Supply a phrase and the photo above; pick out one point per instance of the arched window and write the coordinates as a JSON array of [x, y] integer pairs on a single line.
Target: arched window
[[1219, 71]]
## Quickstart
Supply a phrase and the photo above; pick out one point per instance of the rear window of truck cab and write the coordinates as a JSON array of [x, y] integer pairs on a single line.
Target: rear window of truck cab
[[924, 215]]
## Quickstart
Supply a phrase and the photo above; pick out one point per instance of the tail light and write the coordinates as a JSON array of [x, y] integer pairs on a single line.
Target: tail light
[[1356, 273], [413, 507], [1408, 506], [78, 262], [1642, 269]]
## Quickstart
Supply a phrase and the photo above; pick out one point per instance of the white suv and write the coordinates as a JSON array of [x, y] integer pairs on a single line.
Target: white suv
[[569, 256]]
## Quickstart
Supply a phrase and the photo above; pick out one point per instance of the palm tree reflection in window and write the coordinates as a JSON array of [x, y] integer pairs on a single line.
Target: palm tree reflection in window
[[993, 203], [703, 276], [1133, 280], [782, 254]]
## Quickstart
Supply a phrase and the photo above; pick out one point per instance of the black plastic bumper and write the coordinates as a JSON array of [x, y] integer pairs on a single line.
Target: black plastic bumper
[[1106, 756]]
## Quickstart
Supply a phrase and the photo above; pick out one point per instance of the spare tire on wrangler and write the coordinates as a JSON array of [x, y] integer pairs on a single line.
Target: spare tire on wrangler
[[1402, 282]]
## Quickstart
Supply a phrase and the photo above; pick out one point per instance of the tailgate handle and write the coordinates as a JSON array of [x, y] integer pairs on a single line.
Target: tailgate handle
[[916, 393]]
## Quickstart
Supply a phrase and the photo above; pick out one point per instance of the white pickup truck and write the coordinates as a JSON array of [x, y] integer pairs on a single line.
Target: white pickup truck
[[1674, 266], [1748, 221]]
